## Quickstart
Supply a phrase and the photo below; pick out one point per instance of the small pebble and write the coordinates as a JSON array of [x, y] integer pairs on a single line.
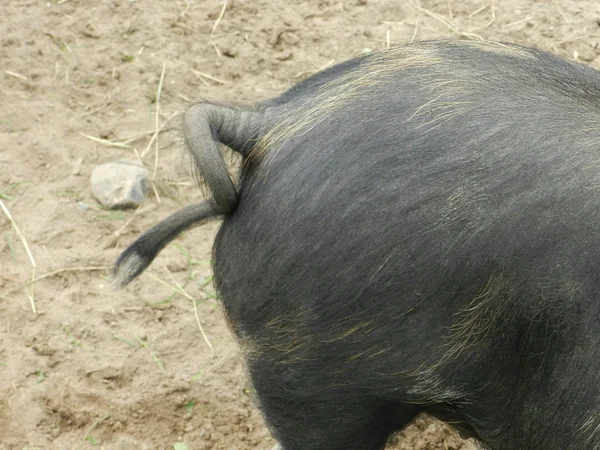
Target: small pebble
[[120, 184]]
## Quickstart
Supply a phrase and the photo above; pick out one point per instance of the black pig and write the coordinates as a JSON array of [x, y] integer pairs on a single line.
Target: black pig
[[415, 230]]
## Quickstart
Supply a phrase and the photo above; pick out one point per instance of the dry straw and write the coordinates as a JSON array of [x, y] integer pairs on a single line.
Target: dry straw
[[450, 25], [214, 28], [30, 292], [181, 291], [157, 128]]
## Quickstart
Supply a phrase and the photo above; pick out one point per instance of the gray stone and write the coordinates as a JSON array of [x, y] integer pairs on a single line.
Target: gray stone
[[120, 184]]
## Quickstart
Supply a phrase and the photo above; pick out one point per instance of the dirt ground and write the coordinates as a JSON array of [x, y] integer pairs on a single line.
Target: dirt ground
[[95, 368]]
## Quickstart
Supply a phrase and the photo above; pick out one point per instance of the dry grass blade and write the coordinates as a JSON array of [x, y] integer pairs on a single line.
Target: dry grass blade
[[414, 35], [201, 75], [97, 421], [477, 11], [72, 269], [216, 49], [173, 288], [16, 75], [105, 142], [157, 128], [130, 139], [137, 137], [155, 134], [204, 336], [187, 8], [218, 21], [417, 5], [53, 273], [179, 290], [128, 221], [518, 22], [21, 236], [154, 357], [310, 72], [492, 19], [30, 293]]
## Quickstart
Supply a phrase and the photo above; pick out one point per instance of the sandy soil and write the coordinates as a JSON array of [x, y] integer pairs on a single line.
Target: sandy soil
[[94, 368]]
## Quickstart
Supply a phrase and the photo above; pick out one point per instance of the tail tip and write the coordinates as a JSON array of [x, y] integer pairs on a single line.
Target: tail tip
[[129, 265]]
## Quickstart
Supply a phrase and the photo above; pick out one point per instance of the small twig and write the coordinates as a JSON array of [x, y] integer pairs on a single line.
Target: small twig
[[174, 289], [195, 310], [71, 269], [202, 80], [450, 13], [435, 16], [16, 75], [180, 183], [128, 221], [158, 92], [105, 142], [137, 154], [444, 21], [201, 75], [493, 19], [477, 11], [30, 293], [414, 35], [218, 21], [307, 72], [216, 49], [326, 65], [512, 24], [56, 272], [154, 136], [387, 38], [130, 139], [155, 191], [156, 152], [201, 329], [21, 236], [187, 8]]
